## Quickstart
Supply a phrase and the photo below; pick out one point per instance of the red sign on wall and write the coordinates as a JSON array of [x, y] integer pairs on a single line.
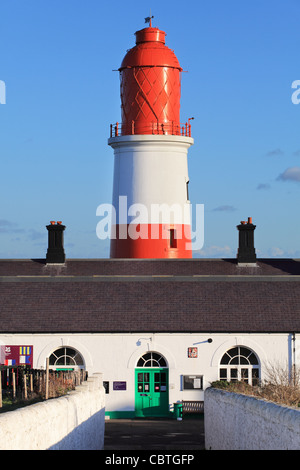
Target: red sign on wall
[[192, 352], [17, 355]]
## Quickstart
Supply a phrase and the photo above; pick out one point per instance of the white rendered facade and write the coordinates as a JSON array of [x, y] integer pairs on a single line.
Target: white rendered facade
[[116, 356]]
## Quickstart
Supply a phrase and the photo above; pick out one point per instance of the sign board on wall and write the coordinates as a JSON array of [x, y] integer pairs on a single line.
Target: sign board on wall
[[17, 355], [193, 352], [192, 382], [119, 385]]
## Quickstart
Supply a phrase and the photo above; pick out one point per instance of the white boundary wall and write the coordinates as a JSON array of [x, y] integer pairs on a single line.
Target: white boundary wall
[[72, 422], [239, 422]]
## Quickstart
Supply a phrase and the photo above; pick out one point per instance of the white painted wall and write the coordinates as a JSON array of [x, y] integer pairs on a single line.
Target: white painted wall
[[72, 422], [116, 355], [151, 169], [239, 422]]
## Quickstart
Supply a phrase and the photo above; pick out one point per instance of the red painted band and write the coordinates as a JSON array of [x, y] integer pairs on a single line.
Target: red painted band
[[151, 241]]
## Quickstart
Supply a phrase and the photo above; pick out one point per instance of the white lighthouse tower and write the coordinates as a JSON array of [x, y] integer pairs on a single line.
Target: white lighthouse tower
[[150, 186]]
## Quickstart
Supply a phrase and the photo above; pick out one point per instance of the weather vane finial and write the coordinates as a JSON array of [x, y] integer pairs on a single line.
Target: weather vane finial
[[148, 20]]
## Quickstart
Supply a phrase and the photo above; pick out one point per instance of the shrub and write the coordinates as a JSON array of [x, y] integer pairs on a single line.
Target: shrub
[[280, 386]]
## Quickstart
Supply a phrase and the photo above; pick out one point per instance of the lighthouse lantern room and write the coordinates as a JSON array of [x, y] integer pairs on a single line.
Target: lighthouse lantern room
[[150, 185]]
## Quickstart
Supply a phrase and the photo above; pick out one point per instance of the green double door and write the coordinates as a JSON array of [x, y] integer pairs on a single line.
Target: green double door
[[151, 392]]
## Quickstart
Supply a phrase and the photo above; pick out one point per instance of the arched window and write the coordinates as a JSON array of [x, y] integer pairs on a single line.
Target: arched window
[[152, 359], [66, 357], [239, 363]]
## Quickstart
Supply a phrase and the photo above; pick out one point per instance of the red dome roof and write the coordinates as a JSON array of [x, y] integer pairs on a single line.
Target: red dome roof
[[150, 50]]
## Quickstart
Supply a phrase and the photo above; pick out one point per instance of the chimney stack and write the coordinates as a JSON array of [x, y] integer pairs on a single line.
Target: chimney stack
[[55, 252], [246, 252]]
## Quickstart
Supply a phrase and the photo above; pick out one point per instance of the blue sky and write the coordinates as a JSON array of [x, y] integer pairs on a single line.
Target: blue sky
[[57, 62]]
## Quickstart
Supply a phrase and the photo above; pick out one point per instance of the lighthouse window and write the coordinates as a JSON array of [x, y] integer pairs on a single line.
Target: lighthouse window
[[187, 191], [173, 239]]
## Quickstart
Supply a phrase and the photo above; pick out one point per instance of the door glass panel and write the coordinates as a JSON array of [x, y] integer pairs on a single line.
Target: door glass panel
[[140, 377], [143, 382], [156, 381], [163, 382]]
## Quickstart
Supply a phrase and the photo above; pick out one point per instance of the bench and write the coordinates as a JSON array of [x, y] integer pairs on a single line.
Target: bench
[[191, 406]]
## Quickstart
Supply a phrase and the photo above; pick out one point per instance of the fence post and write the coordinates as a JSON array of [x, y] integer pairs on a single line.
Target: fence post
[[0, 388], [39, 379], [47, 379], [14, 384], [25, 386]]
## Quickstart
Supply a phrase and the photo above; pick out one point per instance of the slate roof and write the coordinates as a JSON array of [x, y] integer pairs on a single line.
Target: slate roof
[[198, 295]]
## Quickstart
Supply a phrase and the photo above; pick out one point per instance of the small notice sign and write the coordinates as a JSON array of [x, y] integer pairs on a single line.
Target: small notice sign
[[119, 385], [192, 352]]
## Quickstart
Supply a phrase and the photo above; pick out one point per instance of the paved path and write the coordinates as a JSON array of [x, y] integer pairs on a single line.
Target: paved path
[[154, 434]]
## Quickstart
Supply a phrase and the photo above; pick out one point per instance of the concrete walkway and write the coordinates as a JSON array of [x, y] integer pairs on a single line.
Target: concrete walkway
[[154, 434]]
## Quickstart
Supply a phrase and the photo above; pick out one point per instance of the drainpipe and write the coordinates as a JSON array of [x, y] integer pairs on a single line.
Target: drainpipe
[[294, 358]]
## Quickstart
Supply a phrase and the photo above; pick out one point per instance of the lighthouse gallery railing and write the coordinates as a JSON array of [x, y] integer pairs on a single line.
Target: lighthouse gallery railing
[[155, 128]]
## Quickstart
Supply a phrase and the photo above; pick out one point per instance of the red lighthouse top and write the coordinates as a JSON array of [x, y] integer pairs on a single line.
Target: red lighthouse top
[[150, 87], [150, 51]]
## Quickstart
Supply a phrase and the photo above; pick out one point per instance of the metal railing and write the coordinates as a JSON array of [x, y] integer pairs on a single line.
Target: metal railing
[[154, 128]]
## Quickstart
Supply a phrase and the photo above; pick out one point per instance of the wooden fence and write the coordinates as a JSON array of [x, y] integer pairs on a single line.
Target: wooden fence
[[22, 383]]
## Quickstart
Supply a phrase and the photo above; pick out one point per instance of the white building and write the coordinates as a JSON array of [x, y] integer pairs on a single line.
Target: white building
[[160, 331]]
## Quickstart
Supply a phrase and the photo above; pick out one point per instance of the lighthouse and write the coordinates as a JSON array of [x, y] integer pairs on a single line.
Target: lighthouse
[[150, 185]]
